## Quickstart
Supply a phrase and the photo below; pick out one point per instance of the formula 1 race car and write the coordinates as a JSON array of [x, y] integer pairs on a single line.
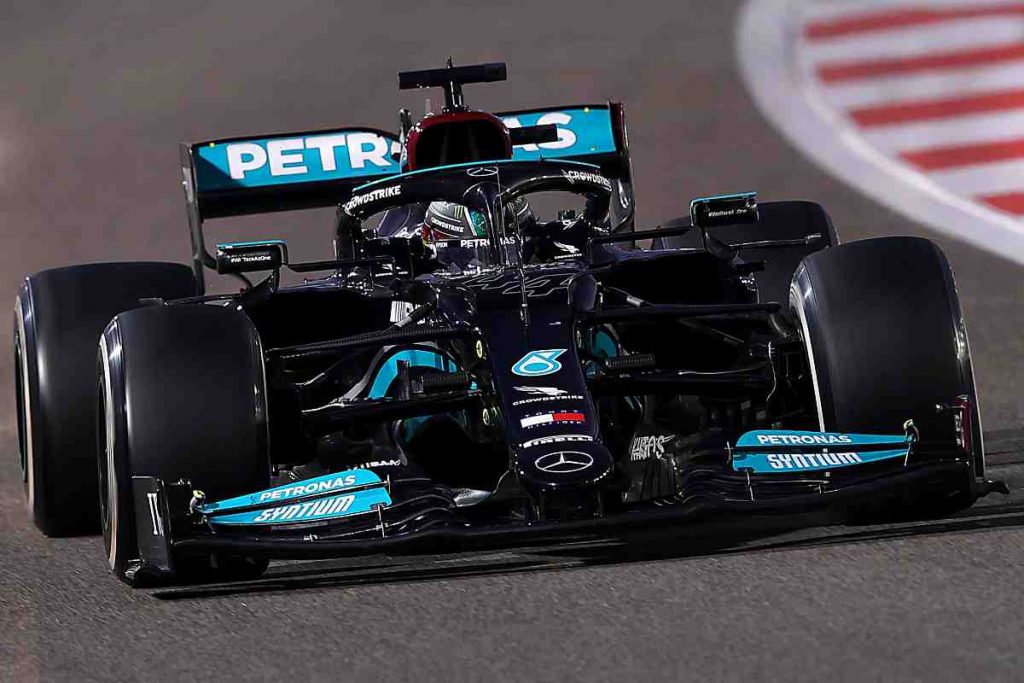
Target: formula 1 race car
[[489, 357]]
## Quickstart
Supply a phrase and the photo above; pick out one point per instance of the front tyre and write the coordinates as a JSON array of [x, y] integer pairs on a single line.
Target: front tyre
[[886, 342], [182, 396]]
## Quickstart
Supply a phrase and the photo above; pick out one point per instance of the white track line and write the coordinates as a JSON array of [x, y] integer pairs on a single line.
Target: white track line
[[915, 41], [854, 8], [909, 87], [982, 179], [766, 37], [962, 130]]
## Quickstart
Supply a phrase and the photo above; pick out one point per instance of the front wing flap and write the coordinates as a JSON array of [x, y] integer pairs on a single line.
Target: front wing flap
[[321, 499], [769, 451]]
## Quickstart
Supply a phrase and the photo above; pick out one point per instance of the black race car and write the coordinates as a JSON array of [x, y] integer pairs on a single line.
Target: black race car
[[489, 357]]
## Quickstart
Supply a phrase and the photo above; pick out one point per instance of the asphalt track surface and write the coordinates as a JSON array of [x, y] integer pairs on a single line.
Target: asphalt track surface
[[94, 98]]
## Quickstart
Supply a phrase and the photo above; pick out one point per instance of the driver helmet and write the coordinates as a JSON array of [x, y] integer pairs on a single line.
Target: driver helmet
[[448, 220], [451, 221]]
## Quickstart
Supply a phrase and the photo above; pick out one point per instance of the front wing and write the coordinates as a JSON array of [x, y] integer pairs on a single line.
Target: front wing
[[361, 512]]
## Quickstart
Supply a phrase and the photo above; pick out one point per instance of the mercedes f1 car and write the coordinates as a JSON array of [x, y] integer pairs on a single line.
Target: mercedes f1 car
[[492, 354]]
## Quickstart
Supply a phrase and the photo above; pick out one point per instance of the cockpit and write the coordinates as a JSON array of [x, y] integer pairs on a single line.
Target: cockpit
[[466, 218]]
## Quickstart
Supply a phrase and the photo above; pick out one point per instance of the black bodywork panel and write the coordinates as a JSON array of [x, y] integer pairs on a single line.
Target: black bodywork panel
[[557, 398]]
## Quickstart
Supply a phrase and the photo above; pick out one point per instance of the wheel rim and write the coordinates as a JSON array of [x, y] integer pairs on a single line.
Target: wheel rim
[[105, 460], [797, 303], [26, 448], [19, 395]]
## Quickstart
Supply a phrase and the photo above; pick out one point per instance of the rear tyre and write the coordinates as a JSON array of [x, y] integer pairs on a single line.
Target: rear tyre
[[59, 315], [191, 378], [886, 342]]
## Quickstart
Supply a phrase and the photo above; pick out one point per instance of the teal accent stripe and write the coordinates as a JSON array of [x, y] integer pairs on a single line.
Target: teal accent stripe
[[351, 153], [333, 507], [780, 438], [416, 358], [338, 481], [604, 345], [769, 463]]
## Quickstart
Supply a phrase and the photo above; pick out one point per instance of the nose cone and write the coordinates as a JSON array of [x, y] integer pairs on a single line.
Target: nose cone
[[564, 465]]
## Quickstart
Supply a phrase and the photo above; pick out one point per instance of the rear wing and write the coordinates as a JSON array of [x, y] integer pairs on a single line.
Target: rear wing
[[594, 133], [303, 170], [286, 171]]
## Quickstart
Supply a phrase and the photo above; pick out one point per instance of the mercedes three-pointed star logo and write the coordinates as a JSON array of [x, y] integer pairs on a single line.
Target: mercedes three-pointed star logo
[[563, 462]]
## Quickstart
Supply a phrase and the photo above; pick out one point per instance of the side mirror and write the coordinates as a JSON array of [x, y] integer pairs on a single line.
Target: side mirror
[[248, 257], [729, 209]]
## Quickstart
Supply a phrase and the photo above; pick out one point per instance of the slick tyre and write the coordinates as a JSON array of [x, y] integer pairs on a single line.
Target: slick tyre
[[59, 315], [182, 397], [886, 342]]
